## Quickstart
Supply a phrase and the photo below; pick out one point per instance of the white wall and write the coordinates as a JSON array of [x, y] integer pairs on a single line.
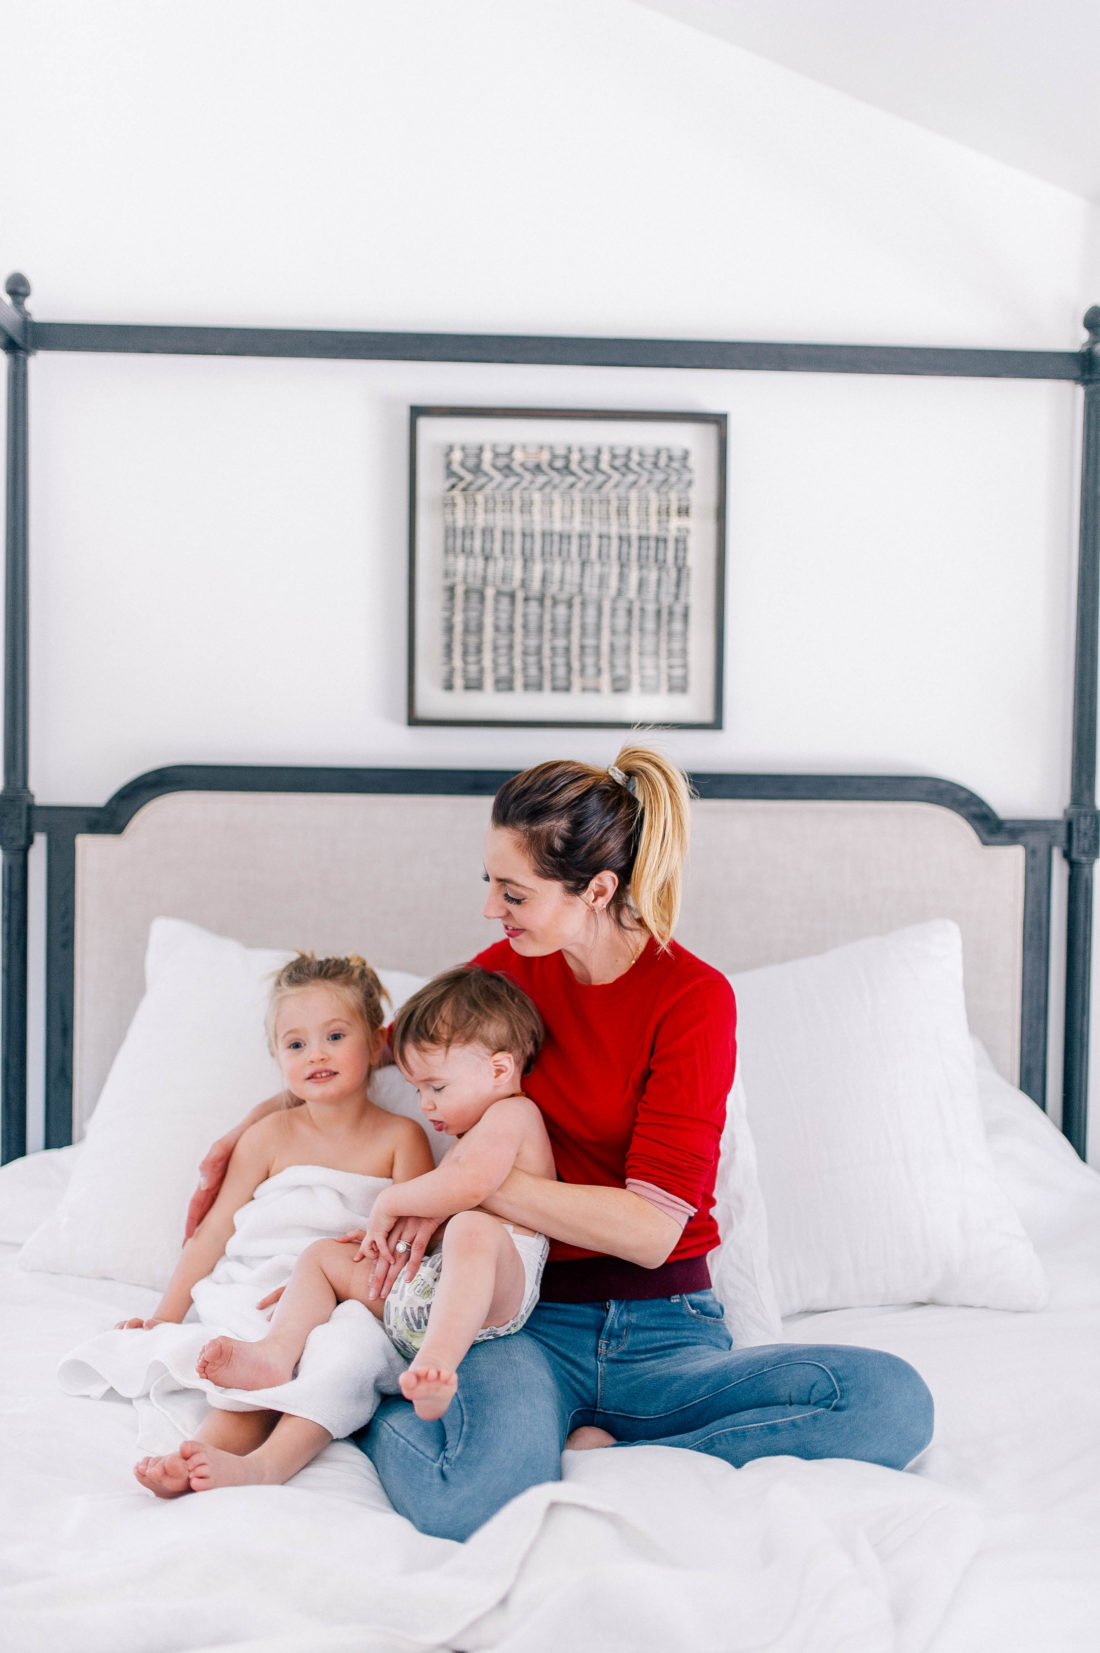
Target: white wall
[[1092, 255], [220, 545]]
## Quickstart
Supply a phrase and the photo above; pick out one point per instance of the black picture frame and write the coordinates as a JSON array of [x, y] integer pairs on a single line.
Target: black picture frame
[[566, 567]]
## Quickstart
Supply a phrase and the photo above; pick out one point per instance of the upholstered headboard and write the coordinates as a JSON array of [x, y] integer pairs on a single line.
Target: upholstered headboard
[[397, 876]]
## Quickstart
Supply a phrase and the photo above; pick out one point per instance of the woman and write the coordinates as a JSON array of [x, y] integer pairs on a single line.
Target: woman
[[627, 1343]]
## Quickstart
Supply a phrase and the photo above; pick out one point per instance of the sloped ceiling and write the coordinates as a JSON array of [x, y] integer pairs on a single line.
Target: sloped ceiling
[[1015, 79]]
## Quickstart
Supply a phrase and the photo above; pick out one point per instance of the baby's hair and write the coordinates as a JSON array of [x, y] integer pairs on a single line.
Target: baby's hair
[[351, 978], [468, 1006]]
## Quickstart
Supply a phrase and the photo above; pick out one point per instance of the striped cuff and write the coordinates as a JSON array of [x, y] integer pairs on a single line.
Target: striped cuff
[[679, 1210]]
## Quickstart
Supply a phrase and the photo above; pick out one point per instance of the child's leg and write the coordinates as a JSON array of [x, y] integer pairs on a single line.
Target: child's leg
[[291, 1445], [324, 1275], [481, 1284], [236, 1432]]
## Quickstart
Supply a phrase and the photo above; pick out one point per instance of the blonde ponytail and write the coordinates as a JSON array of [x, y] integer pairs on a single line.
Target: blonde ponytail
[[664, 802]]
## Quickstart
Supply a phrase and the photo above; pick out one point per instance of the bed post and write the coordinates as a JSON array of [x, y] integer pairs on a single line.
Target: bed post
[[15, 800], [1082, 837]]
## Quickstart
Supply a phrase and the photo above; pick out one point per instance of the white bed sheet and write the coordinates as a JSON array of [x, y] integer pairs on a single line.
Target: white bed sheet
[[993, 1541]]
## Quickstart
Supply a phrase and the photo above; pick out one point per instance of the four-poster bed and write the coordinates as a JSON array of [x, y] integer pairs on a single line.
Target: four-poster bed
[[1077, 835], [850, 877]]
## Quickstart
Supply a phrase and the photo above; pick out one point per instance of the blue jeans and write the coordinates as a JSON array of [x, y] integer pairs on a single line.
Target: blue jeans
[[657, 1370]]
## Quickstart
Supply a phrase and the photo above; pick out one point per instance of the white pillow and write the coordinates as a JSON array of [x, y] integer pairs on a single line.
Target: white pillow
[[30, 1189], [1056, 1195], [864, 1108], [193, 1062], [739, 1269]]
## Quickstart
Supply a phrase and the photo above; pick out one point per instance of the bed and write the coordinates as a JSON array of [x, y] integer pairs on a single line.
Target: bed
[[890, 1177], [991, 1539]]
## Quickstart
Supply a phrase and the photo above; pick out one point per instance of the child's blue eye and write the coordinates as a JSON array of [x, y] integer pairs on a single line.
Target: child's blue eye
[[295, 1044], [336, 1036]]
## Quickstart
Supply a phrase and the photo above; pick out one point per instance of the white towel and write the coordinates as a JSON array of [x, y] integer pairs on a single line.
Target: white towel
[[347, 1364]]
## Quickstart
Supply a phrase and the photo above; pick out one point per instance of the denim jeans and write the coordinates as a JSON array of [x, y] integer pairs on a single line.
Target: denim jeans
[[657, 1370]]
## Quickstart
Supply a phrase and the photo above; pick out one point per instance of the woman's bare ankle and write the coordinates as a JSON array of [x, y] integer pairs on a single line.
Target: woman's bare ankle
[[587, 1438]]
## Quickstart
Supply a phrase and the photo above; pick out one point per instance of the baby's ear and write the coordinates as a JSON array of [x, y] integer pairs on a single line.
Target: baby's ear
[[505, 1066]]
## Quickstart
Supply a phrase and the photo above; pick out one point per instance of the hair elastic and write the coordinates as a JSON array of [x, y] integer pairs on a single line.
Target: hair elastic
[[624, 780]]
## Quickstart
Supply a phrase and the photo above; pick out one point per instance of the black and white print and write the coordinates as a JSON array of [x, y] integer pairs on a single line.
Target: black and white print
[[568, 576], [566, 566]]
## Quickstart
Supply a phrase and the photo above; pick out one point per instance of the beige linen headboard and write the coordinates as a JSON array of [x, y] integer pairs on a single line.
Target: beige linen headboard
[[398, 877]]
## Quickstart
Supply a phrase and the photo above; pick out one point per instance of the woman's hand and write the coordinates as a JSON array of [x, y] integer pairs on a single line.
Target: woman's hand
[[416, 1234], [212, 1171], [138, 1325]]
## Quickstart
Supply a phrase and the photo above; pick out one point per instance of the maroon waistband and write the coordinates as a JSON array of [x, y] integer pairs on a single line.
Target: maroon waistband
[[601, 1279]]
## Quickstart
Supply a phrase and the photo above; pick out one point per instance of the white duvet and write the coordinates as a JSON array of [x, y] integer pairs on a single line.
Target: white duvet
[[348, 1362], [991, 1542]]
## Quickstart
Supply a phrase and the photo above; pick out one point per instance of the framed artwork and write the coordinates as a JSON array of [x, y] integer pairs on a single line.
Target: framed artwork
[[566, 567]]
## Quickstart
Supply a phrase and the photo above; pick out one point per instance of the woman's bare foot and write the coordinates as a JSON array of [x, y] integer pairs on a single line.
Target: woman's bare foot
[[236, 1365], [209, 1467], [430, 1388], [587, 1437], [167, 1476]]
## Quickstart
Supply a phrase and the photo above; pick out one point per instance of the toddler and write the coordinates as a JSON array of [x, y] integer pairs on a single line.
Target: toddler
[[465, 1041], [299, 1172]]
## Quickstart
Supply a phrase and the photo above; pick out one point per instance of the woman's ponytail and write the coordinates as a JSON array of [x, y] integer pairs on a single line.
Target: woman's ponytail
[[663, 833]]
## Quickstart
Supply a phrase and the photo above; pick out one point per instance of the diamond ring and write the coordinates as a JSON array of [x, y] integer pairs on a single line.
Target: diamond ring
[[401, 1247]]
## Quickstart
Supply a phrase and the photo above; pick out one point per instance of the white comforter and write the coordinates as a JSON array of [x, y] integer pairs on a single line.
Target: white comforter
[[993, 1542]]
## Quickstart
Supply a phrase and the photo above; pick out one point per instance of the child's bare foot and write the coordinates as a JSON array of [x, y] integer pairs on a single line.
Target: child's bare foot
[[209, 1467], [167, 1477], [587, 1437], [236, 1365], [430, 1389]]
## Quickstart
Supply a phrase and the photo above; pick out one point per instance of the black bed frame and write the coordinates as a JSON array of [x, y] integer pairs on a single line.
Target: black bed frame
[[1076, 834]]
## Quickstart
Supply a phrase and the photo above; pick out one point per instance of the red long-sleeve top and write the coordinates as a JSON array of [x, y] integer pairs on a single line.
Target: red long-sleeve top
[[632, 1080]]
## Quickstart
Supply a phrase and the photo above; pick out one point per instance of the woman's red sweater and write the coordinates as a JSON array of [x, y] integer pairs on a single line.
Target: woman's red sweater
[[632, 1080]]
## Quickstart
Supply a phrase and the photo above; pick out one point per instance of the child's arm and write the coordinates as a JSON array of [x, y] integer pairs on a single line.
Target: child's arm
[[212, 1168], [249, 1165], [471, 1171], [412, 1154]]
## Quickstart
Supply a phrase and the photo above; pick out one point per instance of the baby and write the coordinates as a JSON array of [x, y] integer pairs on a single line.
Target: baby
[[465, 1041]]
